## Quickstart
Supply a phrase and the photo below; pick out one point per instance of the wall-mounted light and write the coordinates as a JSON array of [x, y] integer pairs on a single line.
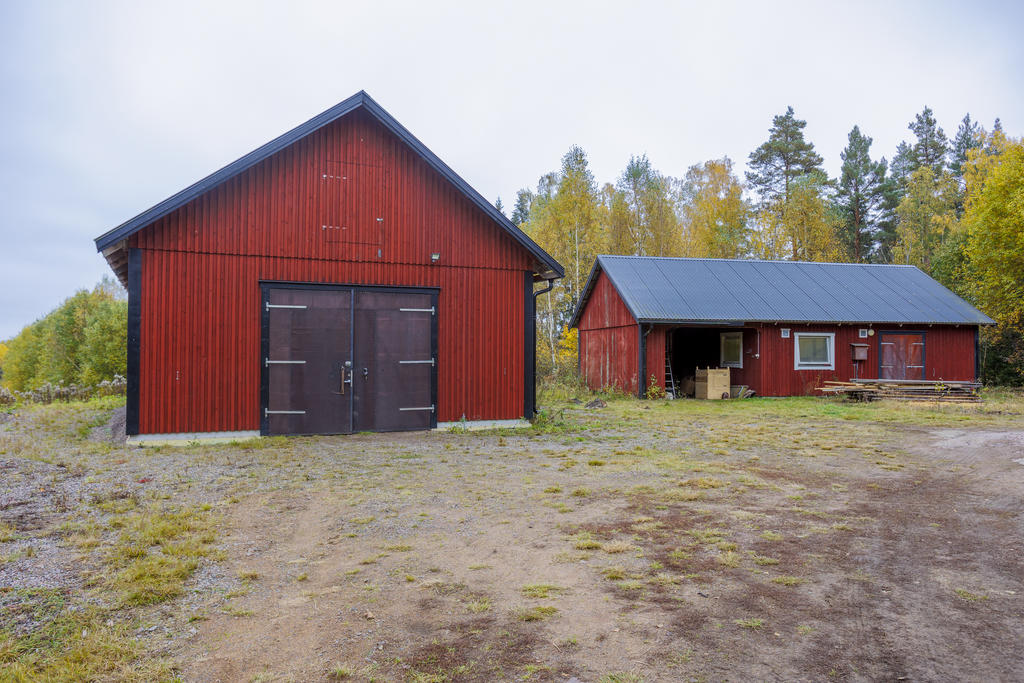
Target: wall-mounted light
[[435, 257]]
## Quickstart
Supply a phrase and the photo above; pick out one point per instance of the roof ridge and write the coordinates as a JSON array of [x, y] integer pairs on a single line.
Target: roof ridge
[[756, 260]]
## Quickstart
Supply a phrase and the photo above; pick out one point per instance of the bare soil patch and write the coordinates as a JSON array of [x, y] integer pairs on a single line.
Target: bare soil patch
[[768, 540]]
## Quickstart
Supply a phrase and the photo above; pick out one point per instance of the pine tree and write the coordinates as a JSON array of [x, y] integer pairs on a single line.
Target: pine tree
[[860, 196], [521, 210], [500, 207], [968, 137], [931, 146], [783, 158]]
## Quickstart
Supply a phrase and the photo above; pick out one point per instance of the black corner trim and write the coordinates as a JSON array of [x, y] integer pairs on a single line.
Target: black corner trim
[[264, 353], [131, 425], [434, 301], [529, 348]]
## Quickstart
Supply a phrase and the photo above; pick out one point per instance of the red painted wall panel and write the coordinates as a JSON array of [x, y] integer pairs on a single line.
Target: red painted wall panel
[[655, 358], [200, 364], [276, 208], [201, 265], [949, 355], [609, 341], [768, 359]]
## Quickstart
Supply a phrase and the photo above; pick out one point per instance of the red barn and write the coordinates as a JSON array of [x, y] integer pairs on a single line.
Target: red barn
[[339, 278], [782, 327]]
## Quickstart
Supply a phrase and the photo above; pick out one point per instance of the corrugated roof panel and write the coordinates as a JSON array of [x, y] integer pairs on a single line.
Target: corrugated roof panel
[[678, 289]]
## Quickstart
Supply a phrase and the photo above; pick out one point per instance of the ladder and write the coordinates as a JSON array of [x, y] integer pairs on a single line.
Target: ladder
[[670, 382]]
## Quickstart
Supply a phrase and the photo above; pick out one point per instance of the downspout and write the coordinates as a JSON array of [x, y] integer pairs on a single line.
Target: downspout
[[551, 285]]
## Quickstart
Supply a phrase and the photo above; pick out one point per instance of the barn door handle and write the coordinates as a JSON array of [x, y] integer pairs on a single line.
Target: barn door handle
[[346, 370], [365, 373]]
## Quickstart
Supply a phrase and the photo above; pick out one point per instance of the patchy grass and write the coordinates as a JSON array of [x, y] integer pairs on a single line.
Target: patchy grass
[[80, 644], [752, 623], [539, 613], [969, 596], [788, 580], [478, 606], [156, 551], [541, 590]]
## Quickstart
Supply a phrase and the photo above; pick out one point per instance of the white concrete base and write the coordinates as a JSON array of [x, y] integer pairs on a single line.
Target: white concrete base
[[186, 438], [475, 425]]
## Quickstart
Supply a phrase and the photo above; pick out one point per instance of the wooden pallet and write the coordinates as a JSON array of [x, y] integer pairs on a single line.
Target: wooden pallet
[[905, 390]]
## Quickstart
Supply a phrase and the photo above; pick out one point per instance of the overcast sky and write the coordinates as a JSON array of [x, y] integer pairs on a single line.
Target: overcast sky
[[109, 108]]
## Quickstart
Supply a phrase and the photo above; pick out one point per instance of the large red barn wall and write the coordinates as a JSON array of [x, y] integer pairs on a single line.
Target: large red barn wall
[[609, 340], [199, 364], [949, 355]]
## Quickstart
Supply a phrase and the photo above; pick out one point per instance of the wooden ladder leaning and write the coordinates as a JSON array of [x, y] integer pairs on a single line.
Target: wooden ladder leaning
[[670, 382]]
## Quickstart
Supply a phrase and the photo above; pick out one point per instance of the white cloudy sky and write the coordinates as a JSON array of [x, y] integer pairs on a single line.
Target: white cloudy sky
[[109, 107]]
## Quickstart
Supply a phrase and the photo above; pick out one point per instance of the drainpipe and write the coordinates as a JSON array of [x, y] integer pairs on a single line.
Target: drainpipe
[[551, 285]]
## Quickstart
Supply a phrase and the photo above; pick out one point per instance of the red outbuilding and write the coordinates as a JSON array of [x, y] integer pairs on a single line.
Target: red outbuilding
[[781, 327], [339, 278]]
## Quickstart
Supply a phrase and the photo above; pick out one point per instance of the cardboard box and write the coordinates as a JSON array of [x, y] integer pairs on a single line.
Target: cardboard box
[[712, 383]]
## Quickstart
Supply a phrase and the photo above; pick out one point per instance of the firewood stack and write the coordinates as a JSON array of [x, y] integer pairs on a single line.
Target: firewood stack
[[906, 390]]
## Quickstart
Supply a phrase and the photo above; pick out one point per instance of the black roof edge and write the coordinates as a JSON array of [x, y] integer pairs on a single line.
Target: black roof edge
[[360, 100]]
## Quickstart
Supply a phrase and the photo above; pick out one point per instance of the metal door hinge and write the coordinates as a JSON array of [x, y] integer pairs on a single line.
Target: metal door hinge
[[430, 310], [296, 306], [417, 362], [267, 362], [283, 412], [430, 408]]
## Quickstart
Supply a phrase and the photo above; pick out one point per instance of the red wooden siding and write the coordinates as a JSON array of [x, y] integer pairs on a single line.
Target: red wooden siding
[[609, 351], [949, 355], [275, 208], [655, 356], [609, 340], [201, 265]]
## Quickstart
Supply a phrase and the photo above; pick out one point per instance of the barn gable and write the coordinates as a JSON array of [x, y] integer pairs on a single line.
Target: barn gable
[[314, 142]]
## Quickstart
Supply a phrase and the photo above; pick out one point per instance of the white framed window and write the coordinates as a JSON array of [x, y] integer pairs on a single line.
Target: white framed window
[[785, 333], [814, 351], [731, 350], [862, 333]]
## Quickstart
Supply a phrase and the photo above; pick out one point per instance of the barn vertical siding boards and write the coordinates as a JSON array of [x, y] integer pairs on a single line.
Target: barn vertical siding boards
[[655, 346], [275, 208], [949, 355], [200, 353], [609, 341], [200, 335]]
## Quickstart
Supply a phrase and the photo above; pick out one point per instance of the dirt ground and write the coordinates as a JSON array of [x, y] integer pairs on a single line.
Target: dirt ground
[[800, 539]]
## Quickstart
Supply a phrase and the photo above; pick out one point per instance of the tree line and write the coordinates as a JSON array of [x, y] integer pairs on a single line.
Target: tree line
[[952, 207], [81, 342]]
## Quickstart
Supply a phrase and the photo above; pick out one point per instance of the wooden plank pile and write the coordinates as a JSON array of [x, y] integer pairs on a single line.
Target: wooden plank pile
[[906, 390]]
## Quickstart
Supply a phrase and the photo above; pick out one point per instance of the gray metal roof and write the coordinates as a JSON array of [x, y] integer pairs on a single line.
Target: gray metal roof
[[360, 100], [725, 291]]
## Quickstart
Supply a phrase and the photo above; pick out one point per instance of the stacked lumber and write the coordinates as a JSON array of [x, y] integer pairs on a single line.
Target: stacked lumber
[[906, 390]]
